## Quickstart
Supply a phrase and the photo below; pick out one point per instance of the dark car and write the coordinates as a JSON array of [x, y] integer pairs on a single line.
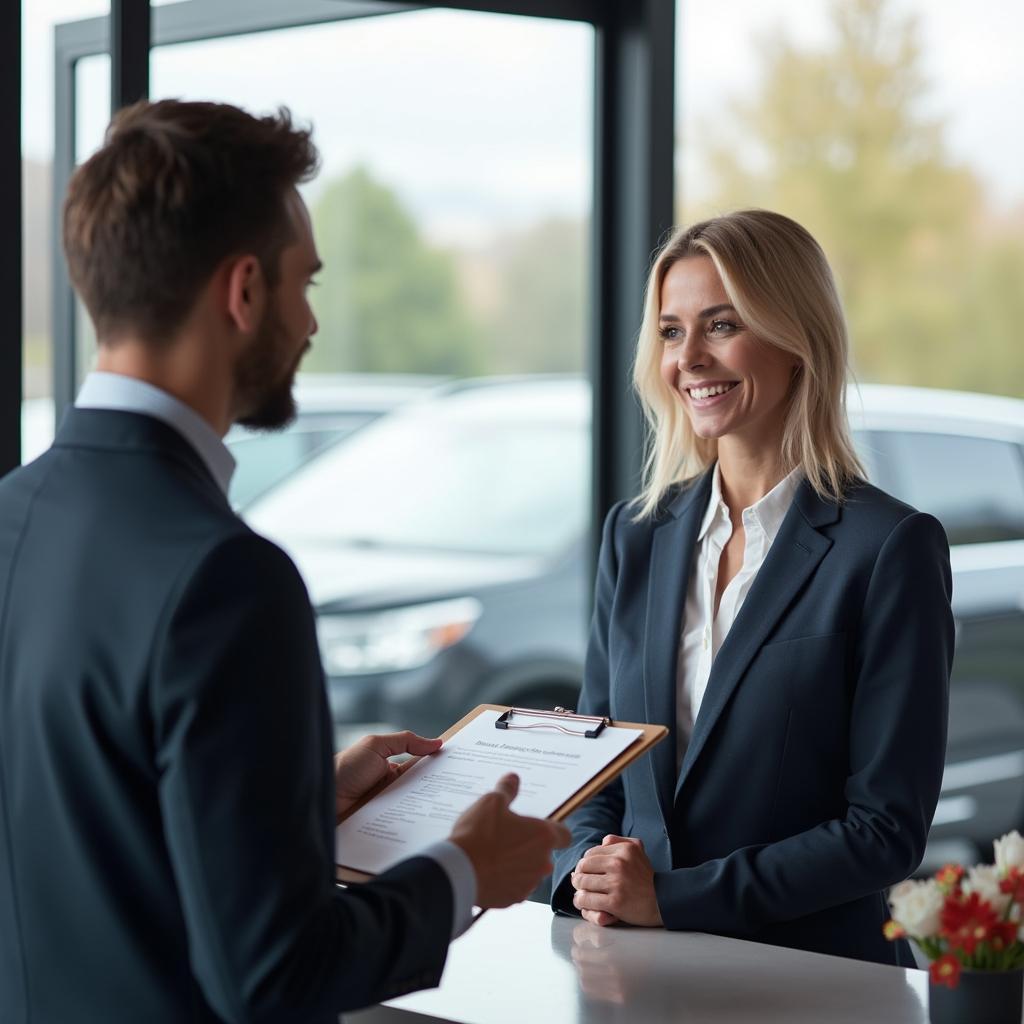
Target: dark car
[[444, 547]]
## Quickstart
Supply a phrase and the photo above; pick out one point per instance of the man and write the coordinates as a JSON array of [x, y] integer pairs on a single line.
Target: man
[[167, 799]]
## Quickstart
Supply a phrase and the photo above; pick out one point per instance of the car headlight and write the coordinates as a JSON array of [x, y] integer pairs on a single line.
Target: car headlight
[[389, 641]]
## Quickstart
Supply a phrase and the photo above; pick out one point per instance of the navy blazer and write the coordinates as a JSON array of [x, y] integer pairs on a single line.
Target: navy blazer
[[815, 763], [166, 782]]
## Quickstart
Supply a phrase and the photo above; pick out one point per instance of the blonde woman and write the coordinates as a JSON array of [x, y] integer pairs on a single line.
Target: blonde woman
[[789, 622]]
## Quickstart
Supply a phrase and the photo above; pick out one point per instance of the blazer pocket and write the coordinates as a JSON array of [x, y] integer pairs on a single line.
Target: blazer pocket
[[804, 639], [809, 668]]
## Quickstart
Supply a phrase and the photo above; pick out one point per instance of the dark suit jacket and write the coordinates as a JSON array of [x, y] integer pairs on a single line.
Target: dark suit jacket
[[166, 784], [814, 767]]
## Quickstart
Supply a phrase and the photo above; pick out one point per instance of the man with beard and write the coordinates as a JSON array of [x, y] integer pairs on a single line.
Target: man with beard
[[167, 792]]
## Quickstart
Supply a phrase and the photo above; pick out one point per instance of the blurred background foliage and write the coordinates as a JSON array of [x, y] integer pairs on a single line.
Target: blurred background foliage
[[392, 302], [835, 136], [932, 276], [843, 135], [395, 303]]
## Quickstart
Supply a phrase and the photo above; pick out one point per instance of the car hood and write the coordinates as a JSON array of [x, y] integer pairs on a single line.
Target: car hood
[[353, 578]]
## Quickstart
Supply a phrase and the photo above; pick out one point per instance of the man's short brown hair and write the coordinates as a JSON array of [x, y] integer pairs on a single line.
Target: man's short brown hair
[[176, 189]]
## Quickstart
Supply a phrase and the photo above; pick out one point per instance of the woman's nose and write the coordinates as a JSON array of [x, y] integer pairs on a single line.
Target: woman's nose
[[692, 353]]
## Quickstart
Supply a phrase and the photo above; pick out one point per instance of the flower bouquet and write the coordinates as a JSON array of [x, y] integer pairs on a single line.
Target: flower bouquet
[[970, 925]]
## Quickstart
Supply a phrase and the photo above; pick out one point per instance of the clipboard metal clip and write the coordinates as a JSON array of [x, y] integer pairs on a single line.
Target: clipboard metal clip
[[559, 716]]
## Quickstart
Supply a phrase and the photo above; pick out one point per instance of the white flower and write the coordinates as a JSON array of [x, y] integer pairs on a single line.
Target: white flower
[[1009, 851], [984, 880], [917, 906]]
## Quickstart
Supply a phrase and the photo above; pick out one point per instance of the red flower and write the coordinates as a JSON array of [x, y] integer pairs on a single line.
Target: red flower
[[1013, 883], [945, 971], [966, 921], [949, 876], [893, 930], [1004, 935]]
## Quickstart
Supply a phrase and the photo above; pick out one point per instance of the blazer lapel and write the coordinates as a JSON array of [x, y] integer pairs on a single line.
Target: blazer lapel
[[792, 559], [672, 549]]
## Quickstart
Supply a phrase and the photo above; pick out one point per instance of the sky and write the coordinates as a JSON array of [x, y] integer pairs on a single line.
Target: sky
[[483, 122]]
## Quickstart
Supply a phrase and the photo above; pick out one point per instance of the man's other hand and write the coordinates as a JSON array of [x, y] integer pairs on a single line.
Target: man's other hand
[[509, 853], [366, 764]]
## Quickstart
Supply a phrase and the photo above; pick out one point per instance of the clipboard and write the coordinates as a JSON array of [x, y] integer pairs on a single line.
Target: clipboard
[[587, 727]]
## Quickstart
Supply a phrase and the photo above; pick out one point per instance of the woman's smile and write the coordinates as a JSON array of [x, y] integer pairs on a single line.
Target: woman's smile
[[705, 395]]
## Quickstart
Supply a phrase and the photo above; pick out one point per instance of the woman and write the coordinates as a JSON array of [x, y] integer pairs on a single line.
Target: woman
[[789, 622]]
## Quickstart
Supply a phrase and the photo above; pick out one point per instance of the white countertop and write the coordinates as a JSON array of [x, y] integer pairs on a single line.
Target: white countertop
[[526, 966]]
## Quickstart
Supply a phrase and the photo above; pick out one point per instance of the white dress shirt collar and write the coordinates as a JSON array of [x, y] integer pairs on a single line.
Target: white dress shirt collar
[[129, 394], [768, 511]]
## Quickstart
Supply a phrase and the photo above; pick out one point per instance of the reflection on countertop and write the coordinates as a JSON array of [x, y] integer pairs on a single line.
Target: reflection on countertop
[[524, 964], [632, 974]]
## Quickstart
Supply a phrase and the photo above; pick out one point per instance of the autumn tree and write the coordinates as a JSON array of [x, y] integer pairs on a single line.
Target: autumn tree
[[387, 301], [537, 322], [836, 137]]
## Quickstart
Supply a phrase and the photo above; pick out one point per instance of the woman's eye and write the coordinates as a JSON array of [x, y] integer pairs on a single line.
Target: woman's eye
[[722, 327], [670, 334]]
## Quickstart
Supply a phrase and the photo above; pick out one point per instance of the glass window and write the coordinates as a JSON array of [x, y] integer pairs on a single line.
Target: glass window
[[264, 460], [862, 120], [453, 205], [452, 214], [92, 114], [865, 443], [974, 486], [39, 21], [498, 469]]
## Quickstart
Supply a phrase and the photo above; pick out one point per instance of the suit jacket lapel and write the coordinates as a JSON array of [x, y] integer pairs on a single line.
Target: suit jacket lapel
[[672, 549], [792, 559]]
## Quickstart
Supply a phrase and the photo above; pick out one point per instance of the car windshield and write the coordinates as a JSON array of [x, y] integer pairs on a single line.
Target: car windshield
[[451, 474]]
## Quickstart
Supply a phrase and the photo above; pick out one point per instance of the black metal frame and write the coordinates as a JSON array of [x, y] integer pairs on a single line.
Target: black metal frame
[[634, 144], [11, 232], [633, 167], [129, 52]]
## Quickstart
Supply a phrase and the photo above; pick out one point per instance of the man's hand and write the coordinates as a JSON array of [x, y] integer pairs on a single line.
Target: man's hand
[[615, 882], [509, 853], [365, 764]]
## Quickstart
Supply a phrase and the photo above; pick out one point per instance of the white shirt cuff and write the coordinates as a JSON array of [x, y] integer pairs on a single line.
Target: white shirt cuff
[[459, 869]]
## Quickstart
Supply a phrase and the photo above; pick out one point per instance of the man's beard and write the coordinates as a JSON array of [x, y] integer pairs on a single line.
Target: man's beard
[[263, 382]]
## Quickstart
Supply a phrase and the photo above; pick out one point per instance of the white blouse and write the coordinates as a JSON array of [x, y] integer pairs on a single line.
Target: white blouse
[[702, 631]]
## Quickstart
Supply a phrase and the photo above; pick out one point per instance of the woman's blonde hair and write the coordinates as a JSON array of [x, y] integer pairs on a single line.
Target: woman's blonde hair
[[777, 277]]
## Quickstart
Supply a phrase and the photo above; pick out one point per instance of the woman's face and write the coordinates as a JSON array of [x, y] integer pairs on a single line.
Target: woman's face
[[732, 384]]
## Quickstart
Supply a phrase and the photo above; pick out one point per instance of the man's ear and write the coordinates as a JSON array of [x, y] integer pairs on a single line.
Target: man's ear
[[246, 293]]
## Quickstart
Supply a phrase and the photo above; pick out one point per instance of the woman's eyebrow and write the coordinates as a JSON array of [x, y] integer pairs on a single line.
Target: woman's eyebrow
[[712, 310], [703, 314]]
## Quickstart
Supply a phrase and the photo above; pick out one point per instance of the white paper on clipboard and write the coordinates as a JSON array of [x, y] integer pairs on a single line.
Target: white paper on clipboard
[[421, 806]]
